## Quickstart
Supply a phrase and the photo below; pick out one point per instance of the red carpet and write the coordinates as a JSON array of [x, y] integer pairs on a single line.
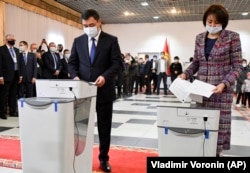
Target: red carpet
[[122, 159]]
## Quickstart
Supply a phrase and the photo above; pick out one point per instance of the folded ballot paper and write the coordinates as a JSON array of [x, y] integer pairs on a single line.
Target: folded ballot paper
[[187, 91]]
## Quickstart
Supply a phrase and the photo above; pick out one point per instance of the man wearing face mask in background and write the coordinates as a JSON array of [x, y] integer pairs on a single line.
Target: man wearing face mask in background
[[60, 50], [51, 63], [64, 74], [26, 87], [11, 73], [101, 68], [239, 82]]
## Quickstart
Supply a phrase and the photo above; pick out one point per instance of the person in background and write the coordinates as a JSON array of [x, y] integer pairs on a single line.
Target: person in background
[[246, 91], [64, 74], [43, 45], [126, 76], [240, 96], [51, 63], [175, 68], [217, 61], [162, 66], [38, 55], [154, 76], [34, 49], [26, 87], [147, 74], [135, 75], [190, 62], [119, 79], [141, 78], [101, 68], [60, 50], [11, 73]]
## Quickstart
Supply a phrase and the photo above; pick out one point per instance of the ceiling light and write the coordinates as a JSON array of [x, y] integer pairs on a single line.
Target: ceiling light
[[244, 14], [173, 10], [126, 13], [156, 17], [144, 3]]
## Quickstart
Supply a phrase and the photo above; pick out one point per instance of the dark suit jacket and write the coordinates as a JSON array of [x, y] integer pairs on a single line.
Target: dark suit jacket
[[48, 65], [7, 64], [147, 68], [64, 71], [30, 69], [107, 62]]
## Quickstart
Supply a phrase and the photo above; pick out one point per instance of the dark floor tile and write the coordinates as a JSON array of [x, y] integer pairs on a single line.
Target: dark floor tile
[[237, 118], [5, 128], [147, 143], [116, 125], [140, 104], [133, 112], [141, 121]]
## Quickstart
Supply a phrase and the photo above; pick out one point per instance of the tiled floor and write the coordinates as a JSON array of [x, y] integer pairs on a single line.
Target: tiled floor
[[135, 124]]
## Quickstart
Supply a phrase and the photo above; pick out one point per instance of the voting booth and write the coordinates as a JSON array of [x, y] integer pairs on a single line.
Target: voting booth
[[187, 131], [57, 127]]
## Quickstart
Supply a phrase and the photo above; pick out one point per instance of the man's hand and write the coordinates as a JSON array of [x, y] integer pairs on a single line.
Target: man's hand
[[1, 81], [76, 78], [100, 81]]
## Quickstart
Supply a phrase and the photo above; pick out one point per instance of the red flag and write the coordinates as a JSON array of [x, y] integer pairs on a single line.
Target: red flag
[[167, 55]]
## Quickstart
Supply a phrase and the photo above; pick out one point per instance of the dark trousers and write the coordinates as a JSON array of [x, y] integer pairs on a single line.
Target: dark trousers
[[126, 85], [26, 90], [154, 78], [239, 98], [135, 82], [8, 92], [162, 76], [142, 82], [246, 99], [104, 122], [148, 85]]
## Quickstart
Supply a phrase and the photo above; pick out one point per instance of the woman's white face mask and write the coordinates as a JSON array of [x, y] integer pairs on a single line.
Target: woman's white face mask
[[213, 30]]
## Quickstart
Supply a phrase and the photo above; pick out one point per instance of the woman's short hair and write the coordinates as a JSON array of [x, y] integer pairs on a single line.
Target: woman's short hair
[[220, 13]]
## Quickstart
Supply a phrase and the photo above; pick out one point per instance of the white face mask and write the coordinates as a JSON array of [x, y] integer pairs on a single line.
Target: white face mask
[[67, 55], [213, 30], [21, 49], [34, 50], [244, 65], [91, 31], [52, 49]]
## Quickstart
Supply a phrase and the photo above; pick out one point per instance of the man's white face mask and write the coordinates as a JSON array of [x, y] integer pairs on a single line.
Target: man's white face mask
[[91, 31]]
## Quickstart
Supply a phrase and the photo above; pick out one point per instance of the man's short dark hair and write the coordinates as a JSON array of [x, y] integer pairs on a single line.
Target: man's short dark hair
[[90, 13]]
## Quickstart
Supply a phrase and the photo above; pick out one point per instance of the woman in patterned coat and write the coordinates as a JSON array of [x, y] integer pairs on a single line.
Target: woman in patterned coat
[[217, 61]]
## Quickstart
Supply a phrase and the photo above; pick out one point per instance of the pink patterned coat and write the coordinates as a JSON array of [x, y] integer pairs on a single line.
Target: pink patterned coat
[[223, 66]]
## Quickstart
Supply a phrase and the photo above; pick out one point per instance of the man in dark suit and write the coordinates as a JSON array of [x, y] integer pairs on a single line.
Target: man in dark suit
[[51, 63], [10, 75], [147, 74], [64, 74], [101, 69], [26, 87]]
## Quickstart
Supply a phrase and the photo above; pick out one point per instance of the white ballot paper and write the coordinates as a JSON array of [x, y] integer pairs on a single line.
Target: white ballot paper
[[185, 90]]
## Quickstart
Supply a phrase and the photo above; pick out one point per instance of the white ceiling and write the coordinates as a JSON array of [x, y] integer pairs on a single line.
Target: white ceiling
[[112, 11]]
